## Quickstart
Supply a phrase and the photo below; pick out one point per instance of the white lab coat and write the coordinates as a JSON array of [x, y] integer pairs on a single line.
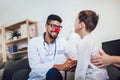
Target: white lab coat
[[85, 70], [40, 60]]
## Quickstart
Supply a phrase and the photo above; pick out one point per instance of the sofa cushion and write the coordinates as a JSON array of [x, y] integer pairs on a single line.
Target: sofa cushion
[[2, 65], [21, 74], [113, 72], [12, 66]]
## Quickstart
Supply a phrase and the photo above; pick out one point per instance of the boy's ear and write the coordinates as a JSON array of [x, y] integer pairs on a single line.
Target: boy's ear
[[82, 24]]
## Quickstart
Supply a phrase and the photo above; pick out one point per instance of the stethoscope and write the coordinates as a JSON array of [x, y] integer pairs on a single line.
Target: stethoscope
[[48, 52]]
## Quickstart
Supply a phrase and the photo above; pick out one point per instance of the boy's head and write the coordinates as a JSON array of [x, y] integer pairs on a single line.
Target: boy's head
[[89, 19]]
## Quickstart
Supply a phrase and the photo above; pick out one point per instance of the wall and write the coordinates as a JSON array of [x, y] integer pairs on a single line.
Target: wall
[[108, 28]]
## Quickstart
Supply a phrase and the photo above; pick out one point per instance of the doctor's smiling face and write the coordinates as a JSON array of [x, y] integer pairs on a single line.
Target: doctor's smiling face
[[53, 28]]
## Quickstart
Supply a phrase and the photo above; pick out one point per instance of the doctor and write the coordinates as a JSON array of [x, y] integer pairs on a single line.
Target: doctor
[[48, 53]]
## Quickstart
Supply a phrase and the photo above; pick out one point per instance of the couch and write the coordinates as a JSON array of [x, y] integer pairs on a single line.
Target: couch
[[9, 68]]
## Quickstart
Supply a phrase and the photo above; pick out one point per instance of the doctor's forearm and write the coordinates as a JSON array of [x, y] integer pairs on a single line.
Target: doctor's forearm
[[58, 67], [61, 67]]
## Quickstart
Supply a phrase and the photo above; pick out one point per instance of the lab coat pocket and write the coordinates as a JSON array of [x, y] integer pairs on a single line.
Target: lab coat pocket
[[60, 52], [60, 57]]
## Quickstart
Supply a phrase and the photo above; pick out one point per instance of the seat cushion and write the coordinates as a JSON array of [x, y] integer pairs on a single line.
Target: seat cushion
[[12, 66], [113, 72], [21, 74]]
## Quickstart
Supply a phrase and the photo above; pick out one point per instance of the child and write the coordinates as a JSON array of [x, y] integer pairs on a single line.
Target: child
[[85, 23]]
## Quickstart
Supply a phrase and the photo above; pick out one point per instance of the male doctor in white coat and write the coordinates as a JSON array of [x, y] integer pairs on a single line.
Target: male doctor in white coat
[[48, 54]]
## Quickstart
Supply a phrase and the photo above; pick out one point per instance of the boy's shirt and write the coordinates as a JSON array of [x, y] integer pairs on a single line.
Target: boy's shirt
[[85, 70]]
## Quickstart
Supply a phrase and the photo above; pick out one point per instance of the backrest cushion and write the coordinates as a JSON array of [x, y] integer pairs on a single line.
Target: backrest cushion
[[12, 66]]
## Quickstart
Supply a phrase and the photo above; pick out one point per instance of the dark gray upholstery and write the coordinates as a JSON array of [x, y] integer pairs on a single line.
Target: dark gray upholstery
[[112, 48], [113, 72], [21, 74], [13, 66]]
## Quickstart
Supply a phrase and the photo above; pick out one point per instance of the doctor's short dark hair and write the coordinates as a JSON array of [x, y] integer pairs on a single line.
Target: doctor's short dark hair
[[90, 19], [53, 17]]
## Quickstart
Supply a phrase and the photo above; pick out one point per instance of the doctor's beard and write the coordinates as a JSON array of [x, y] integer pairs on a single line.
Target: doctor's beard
[[53, 35]]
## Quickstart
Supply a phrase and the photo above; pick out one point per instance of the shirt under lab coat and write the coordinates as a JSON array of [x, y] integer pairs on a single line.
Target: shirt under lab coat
[[85, 70], [43, 56]]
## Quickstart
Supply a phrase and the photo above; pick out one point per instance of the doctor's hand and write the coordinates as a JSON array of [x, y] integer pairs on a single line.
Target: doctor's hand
[[68, 65]]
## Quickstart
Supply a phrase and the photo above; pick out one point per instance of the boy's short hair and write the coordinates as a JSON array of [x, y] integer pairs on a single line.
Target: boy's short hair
[[90, 19], [53, 17]]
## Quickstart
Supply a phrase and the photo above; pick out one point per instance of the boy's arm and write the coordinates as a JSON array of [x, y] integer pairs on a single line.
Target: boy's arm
[[84, 51]]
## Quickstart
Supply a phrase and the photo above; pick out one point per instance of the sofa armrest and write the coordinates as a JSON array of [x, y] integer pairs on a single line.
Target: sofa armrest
[[1, 73]]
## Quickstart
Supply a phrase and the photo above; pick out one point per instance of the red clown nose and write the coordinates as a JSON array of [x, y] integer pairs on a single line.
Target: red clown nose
[[57, 29]]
